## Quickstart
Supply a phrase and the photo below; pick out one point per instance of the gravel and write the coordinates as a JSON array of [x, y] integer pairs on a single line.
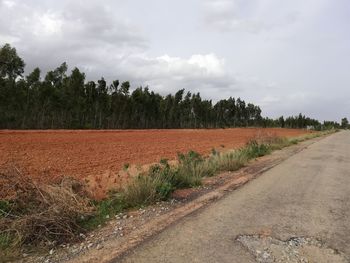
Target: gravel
[[267, 249]]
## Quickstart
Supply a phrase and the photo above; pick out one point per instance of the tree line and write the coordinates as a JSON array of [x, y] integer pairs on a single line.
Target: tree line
[[68, 101]]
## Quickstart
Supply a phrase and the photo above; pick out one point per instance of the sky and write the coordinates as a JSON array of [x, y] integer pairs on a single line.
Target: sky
[[286, 56]]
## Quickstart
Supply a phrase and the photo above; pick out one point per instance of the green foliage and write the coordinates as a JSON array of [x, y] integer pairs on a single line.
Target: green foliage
[[298, 122], [11, 65], [253, 150], [105, 209], [344, 123], [293, 141], [190, 157], [164, 161], [126, 166], [192, 167], [63, 99], [5, 207], [161, 180], [66, 100], [164, 189]]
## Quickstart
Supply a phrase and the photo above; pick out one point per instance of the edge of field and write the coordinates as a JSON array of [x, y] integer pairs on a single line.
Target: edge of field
[[109, 248]]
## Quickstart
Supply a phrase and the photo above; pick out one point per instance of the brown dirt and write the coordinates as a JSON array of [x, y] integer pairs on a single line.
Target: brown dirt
[[98, 156]]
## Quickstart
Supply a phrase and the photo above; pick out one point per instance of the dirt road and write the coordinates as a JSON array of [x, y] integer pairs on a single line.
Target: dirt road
[[296, 212]]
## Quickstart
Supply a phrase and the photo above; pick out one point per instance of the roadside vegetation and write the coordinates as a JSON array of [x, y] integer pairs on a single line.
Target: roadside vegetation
[[46, 215], [39, 214]]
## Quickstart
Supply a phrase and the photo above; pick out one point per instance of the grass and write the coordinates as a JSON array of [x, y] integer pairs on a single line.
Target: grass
[[103, 211], [5, 208], [5, 241], [8, 251], [229, 161]]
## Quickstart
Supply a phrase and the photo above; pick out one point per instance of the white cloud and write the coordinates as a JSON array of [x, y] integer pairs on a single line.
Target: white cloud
[[47, 24], [9, 4], [269, 99], [201, 73], [247, 16]]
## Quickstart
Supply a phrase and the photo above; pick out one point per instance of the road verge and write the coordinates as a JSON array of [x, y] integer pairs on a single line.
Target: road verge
[[132, 231]]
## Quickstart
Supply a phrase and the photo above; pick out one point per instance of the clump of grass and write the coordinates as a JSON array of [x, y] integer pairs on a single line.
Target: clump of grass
[[8, 252], [191, 169], [104, 209], [254, 150], [5, 208], [141, 191], [162, 179], [229, 161], [147, 188], [5, 241]]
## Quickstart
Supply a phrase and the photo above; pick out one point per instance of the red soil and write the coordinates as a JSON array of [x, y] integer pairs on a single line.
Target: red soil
[[93, 155]]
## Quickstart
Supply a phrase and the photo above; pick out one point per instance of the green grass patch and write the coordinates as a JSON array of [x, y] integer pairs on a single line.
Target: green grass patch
[[5, 208], [229, 161], [5, 241], [104, 210]]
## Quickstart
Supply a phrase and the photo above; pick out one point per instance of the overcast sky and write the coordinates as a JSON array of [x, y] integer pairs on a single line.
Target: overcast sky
[[286, 56]]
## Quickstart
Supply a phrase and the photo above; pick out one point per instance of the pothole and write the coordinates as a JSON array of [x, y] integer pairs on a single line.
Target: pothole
[[267, 249]]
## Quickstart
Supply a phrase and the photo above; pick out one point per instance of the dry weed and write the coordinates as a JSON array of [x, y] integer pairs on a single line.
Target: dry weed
[[38, 213]]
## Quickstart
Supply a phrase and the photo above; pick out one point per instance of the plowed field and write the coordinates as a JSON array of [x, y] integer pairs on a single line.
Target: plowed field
[[88, 155]]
